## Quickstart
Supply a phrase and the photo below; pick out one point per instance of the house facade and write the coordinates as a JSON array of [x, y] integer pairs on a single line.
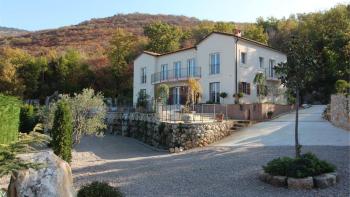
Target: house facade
[[221, 62]]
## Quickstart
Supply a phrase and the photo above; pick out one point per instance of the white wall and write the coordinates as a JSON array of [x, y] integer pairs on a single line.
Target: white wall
[[148, 61], [248, 71], [216, 43]]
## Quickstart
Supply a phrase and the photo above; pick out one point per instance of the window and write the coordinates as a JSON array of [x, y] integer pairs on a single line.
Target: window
[[261, 62], [143, 92], [214, 92], [177, 69], [190, 67], [143, 75], [272, 64], [243, 57], [244, 87], [214, 63], [164, 72]]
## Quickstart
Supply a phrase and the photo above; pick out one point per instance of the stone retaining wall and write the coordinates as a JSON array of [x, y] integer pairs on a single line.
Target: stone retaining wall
[[172, 136], [340, 112]]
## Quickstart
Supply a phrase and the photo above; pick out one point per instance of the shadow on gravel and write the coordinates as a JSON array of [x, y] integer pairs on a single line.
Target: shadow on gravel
[[211, 171]]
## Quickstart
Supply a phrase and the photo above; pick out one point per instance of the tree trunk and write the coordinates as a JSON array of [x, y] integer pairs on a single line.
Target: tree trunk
[[297, 145]]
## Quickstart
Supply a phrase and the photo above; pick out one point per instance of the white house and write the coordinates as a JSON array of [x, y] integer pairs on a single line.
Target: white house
[[221, 62]]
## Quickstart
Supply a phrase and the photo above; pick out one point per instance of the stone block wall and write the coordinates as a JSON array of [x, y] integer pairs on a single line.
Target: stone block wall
[[340, 112], [166, 135]]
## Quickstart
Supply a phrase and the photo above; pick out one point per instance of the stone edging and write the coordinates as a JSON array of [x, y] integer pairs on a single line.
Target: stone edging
[[320, 181]]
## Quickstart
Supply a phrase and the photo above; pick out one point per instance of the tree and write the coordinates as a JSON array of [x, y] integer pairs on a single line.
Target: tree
[[120, 54], [62, 131], [142, 100], [295, 74], [194, 91], [256, 33], [88, 113], [162, 37], [342, 86], [27, 119], [223, 95], [260, 82], [163, 93]]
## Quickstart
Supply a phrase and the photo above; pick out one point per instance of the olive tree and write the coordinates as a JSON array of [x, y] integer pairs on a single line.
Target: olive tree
[[88, 113]]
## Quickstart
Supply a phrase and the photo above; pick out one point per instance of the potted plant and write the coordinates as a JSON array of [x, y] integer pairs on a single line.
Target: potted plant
[[237, 97], [219, 117], [187, 115], [269, 114], [223, 95]]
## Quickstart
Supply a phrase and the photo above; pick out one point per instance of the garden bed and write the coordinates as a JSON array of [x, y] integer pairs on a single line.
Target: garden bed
[[304, 172]]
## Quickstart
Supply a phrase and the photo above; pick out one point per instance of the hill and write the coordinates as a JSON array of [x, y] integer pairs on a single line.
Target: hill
[[93, 35], [8, 31]]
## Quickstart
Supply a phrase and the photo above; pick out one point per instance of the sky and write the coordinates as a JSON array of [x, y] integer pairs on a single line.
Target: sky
[[47, 14]]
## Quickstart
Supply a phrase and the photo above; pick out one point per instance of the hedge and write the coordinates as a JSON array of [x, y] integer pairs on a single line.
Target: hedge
[[9, 118]]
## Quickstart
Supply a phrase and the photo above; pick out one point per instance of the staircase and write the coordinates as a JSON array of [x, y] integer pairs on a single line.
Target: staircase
[[239, 124]]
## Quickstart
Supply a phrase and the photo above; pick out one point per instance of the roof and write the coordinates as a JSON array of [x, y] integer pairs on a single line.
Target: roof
[[214, 32], [241, 38]]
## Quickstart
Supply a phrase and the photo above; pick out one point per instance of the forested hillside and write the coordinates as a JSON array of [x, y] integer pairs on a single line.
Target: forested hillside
[[98, 53]]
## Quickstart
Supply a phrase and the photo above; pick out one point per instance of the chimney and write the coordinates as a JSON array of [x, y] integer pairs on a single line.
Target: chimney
[[237, 32]]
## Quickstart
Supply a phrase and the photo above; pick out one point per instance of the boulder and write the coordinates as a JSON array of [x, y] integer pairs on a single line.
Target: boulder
[[279, 181], [53, 179], [325, 180], [300, 183]]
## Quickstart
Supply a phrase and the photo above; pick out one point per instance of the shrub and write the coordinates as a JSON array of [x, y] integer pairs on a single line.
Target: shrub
[[62, 132], [88, 112], [98, 189], [9, 118], [306, 165], [27, 118], [223, 95], [342, 86]]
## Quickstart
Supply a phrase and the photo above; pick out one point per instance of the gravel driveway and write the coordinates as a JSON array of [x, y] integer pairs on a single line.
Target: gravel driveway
[[212, 171], [229, 168]]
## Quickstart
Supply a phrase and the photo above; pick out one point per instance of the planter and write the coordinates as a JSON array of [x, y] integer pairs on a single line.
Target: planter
[[320, 181], [219, 117], [187, 117]]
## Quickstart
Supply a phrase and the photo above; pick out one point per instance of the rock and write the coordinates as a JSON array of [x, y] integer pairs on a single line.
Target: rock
[[54, 179], [171, 150], [265, 177], [181, 149], [279, 181], [325, 180], [300, 183], [177, 150]]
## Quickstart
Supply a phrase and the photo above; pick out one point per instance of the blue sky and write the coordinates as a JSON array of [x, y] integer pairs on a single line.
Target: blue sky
[[46, 14]]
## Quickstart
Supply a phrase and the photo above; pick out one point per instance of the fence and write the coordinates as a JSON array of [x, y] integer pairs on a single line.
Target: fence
[[210, 112]]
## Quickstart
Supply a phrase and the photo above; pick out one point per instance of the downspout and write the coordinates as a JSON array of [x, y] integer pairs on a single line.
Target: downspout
[[236, 68]]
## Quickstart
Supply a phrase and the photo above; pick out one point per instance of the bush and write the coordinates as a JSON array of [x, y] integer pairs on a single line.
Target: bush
[[342, 86], [9, 119], [98, 189], [306, 165], [27, 118], [62, 132]]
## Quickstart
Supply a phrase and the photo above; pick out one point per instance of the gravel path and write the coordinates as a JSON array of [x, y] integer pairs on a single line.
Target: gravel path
[[212, 171]]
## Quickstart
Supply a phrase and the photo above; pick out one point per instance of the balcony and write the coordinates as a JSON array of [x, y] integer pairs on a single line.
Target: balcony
[[176, 75], [271, 75]]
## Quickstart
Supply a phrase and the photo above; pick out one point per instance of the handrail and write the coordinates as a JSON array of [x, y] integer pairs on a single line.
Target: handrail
[[176, 74]]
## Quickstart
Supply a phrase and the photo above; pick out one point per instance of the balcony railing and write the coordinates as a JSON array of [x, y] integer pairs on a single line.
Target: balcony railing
[[176, 74], [271, 75]]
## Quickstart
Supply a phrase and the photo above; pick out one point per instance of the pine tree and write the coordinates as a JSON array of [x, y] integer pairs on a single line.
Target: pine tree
[[62, 132]]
